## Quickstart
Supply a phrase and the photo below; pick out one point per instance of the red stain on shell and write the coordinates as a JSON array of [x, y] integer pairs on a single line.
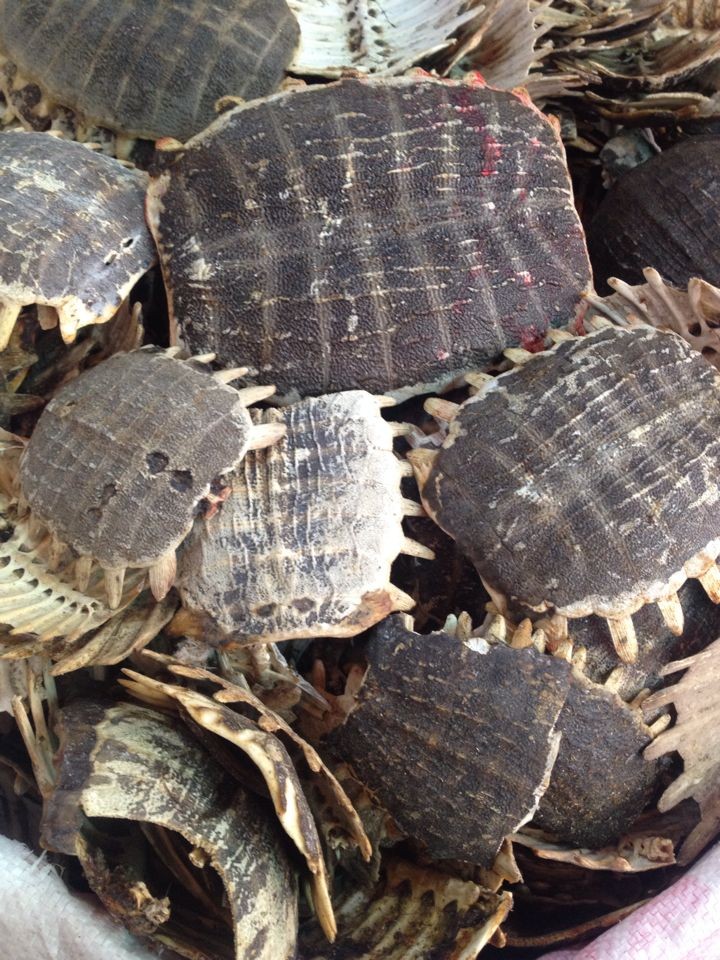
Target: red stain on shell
[[475, 79], [493, 152], [533, 339]]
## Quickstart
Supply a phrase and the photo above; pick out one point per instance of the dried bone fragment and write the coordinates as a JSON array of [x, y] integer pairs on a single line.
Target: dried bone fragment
[[377, 38], [696, 698], [270, 757], [412, 913], [694, 314]]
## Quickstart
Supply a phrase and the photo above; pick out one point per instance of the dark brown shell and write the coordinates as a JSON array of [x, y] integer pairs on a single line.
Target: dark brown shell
[[122, 456], [304, 546], [588, 477], [85, 208], [375, 234], [149, 68], [662, 214], [456, 744], [600, 782]]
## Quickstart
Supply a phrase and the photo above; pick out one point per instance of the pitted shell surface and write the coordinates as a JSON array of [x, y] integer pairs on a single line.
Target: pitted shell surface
[[122, 455]]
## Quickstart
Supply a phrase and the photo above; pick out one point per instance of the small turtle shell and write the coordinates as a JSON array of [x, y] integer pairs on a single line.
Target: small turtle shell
[[304, 546], [149, 68], [84, 207], [375, 234], [456, 743], [662, 214], [122, 456], [587, 479]]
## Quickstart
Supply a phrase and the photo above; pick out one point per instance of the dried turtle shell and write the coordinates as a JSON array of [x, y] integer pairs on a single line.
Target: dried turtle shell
[[457, 743], [662, 214], [129, 763], [85, 208], [585, 480], [600, 781], [376, 234], [304, 546], [429, 913], [147, 68], [122, 457]]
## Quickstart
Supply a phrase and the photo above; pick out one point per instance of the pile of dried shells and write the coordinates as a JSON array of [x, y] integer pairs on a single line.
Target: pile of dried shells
[[350, 540]]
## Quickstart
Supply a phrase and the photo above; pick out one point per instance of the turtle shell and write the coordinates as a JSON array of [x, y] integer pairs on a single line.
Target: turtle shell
[[662, 214], [149, 68], [84, 207], [601, 781], [122, 457], [304, 546], [456, 743], [587, 478], [381, 234]]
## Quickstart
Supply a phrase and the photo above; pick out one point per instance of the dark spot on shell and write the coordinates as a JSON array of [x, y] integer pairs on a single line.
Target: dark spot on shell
[[304, 604], [265, 611], [108, 492], [157, 461], [128, 242], [181, 480], [94, 514]]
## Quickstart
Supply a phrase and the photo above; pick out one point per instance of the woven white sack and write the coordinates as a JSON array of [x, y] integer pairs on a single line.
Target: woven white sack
[[41, 920]]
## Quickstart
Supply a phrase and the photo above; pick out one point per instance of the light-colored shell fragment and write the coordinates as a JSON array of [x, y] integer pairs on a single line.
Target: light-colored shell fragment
[[73, 231], [413, 913], [632, 854], [696, 698], [384, 37], [134, 764], [270, 757], [39, 602], [304, 546]]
